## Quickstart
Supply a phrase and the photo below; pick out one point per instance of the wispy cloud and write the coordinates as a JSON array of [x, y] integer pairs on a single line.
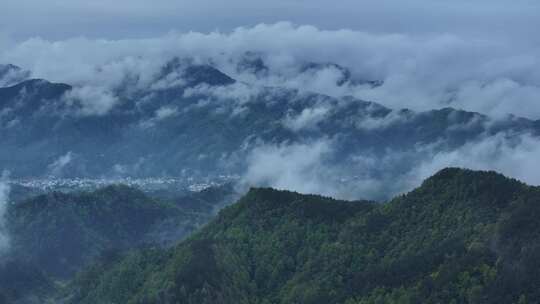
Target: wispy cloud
[[4, 196], [57, 167]]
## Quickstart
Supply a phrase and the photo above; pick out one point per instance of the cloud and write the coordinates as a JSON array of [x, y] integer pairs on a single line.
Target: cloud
[[171, 80], [160, 114], [372, 122], [57, 167], [307, 119], [231, 99], [11, 75], [420, 72], [514, 155], [298, 167], [499, 97], [166, 112], [4, 195], [90, 100], [312, 167], [238, 93]]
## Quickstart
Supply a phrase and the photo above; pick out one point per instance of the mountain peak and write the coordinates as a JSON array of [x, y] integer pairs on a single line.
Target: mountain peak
[[4, 68], [487, 186], [11, 74], [264, 202], [271, 238], [346, 76], [193, 73], [457, 173], [41, 87], [252, 62]]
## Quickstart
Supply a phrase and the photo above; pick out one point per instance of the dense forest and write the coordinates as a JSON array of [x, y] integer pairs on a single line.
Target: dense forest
[[461, 237], [53, 236]]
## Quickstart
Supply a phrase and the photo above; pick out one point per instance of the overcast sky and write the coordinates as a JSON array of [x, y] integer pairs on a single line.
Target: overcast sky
[[517, 20]]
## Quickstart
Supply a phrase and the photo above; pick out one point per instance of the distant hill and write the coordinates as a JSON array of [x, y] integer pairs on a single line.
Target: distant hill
[[191, 119], [61, 231], [462, 237], [55, 235]]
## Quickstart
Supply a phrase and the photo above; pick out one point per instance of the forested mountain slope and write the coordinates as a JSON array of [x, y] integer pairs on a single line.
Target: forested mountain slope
[[462, 237], [53, 236]]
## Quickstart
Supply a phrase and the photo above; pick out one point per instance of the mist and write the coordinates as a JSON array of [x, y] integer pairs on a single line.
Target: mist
[[4, 196], [307, 168]]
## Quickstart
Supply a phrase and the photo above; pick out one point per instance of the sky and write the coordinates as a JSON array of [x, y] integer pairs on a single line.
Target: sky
[[60, 19]]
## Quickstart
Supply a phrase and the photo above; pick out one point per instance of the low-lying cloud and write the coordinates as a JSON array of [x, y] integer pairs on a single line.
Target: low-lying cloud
[[514, 155], [420, 72], [308, 167], [90, 101], [300, 167], [307, 119]]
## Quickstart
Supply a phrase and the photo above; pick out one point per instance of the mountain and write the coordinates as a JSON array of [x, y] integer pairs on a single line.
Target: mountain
[[254, 64], [61, 231], [462, 237], [345, 75], [193, 74], [55, 235], [193, 120], [11, 74], [23, 283]]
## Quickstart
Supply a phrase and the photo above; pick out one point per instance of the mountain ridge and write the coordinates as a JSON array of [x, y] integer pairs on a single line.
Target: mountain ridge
[[427, 245], [212, 125], [11, 74]]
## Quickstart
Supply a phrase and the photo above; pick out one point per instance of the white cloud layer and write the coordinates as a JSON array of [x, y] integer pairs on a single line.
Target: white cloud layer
[[419, 71]]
